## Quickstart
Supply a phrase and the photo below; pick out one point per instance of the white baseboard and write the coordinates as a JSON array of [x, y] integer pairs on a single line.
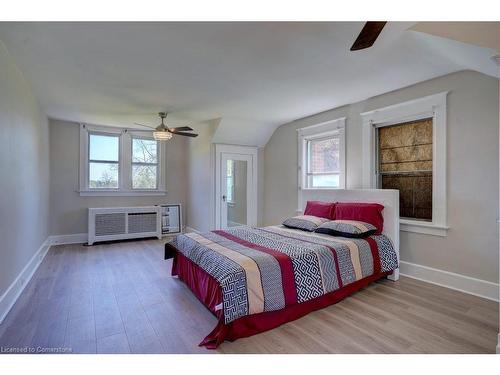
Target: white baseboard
[[66, 239], [189, 229], [9, 298], [462, 283]]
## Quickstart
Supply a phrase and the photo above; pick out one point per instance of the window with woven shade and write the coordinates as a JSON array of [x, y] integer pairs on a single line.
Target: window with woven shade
[[405, 163]]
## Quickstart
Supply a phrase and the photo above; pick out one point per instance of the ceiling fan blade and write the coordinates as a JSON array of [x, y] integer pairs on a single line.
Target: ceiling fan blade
[[184, 134], [181, 128], [136, 123], [368, 35]]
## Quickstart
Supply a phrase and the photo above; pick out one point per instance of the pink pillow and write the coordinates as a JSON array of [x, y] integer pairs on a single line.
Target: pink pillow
[[320, 209], [367, 212]]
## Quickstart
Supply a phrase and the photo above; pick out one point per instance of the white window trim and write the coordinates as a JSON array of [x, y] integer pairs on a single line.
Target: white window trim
[[430, 106], [324, 129], [125, 163]]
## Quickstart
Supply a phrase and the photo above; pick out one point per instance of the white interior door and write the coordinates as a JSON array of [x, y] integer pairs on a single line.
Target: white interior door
[[236, 195]]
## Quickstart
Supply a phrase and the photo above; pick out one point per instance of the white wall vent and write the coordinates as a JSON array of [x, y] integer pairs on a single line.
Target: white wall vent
[[117, 223]]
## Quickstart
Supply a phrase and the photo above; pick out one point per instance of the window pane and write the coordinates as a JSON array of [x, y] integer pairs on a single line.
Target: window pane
[[144, 176], [324, 156], [405, 163], [103, 175], [415, 194], [230, 180], [324, 180], [144, 151], [103, 147], [230, 188]]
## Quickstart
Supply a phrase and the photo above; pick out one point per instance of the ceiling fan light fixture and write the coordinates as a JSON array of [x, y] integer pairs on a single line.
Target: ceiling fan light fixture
[[162, 135]]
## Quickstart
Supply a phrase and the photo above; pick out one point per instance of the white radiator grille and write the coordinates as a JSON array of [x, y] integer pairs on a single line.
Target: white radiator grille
[[109, 224], [142, 222], [118, 223]]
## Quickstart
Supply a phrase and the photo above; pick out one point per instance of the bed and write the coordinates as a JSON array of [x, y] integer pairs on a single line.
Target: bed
[[255, 279]]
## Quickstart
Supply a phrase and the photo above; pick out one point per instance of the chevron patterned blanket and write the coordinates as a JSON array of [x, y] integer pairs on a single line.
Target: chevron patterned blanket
[[266, 269]]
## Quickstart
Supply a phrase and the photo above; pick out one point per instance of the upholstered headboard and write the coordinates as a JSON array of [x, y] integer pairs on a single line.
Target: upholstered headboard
[[386, 197]]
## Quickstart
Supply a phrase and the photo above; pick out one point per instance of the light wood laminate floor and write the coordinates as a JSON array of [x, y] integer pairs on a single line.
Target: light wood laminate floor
[[120, 298]]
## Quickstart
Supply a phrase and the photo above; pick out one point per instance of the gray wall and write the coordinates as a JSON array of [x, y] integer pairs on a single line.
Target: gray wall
[[471, 247], [190, 180], [200, 181], [24, 171], [68, 210]]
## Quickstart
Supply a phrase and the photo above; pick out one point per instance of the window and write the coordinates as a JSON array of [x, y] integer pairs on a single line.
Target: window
[[323, 164], [116, 161], [103, 163], [405, 164], [321, 150], [230, 181], [404, 148], [144, 163]]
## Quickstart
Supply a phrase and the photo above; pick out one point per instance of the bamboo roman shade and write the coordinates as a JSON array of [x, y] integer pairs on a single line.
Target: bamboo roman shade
[[405, 163]]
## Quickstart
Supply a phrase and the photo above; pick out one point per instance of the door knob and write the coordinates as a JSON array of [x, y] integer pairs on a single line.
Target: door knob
[[224, 198]]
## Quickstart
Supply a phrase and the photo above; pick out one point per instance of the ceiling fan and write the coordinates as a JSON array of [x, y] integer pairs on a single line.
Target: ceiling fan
[[163, 132], [368, 35]]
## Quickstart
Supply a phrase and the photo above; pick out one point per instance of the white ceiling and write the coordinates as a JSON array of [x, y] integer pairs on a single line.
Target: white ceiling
[[255, 76]]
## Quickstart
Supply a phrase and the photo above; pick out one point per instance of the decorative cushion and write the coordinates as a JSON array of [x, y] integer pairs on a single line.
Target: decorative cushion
[[347, 228], [304, 222], [366, 212], [320, 209]]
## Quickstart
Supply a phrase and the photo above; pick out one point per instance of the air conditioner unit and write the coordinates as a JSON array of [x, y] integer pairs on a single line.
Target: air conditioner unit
[[118, 223]]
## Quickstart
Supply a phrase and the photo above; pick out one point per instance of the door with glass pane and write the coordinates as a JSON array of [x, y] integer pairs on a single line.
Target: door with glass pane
[[236, 185]]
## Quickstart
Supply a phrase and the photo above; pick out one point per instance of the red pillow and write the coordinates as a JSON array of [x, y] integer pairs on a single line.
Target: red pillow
[[367, 212], [320, 209]]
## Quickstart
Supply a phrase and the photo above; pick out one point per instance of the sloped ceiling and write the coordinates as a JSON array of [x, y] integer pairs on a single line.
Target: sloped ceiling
[[253, 76], [484, 34]]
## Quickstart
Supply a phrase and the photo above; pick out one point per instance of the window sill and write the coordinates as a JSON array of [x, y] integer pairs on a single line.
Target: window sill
[[121, 193], [423, 228], [323, 188]]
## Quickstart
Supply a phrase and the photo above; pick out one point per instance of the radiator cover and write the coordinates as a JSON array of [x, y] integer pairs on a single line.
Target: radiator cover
[[117, 223]]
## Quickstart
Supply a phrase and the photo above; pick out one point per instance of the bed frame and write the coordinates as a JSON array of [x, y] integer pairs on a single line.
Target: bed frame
[[209, 292], [387, 197]]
